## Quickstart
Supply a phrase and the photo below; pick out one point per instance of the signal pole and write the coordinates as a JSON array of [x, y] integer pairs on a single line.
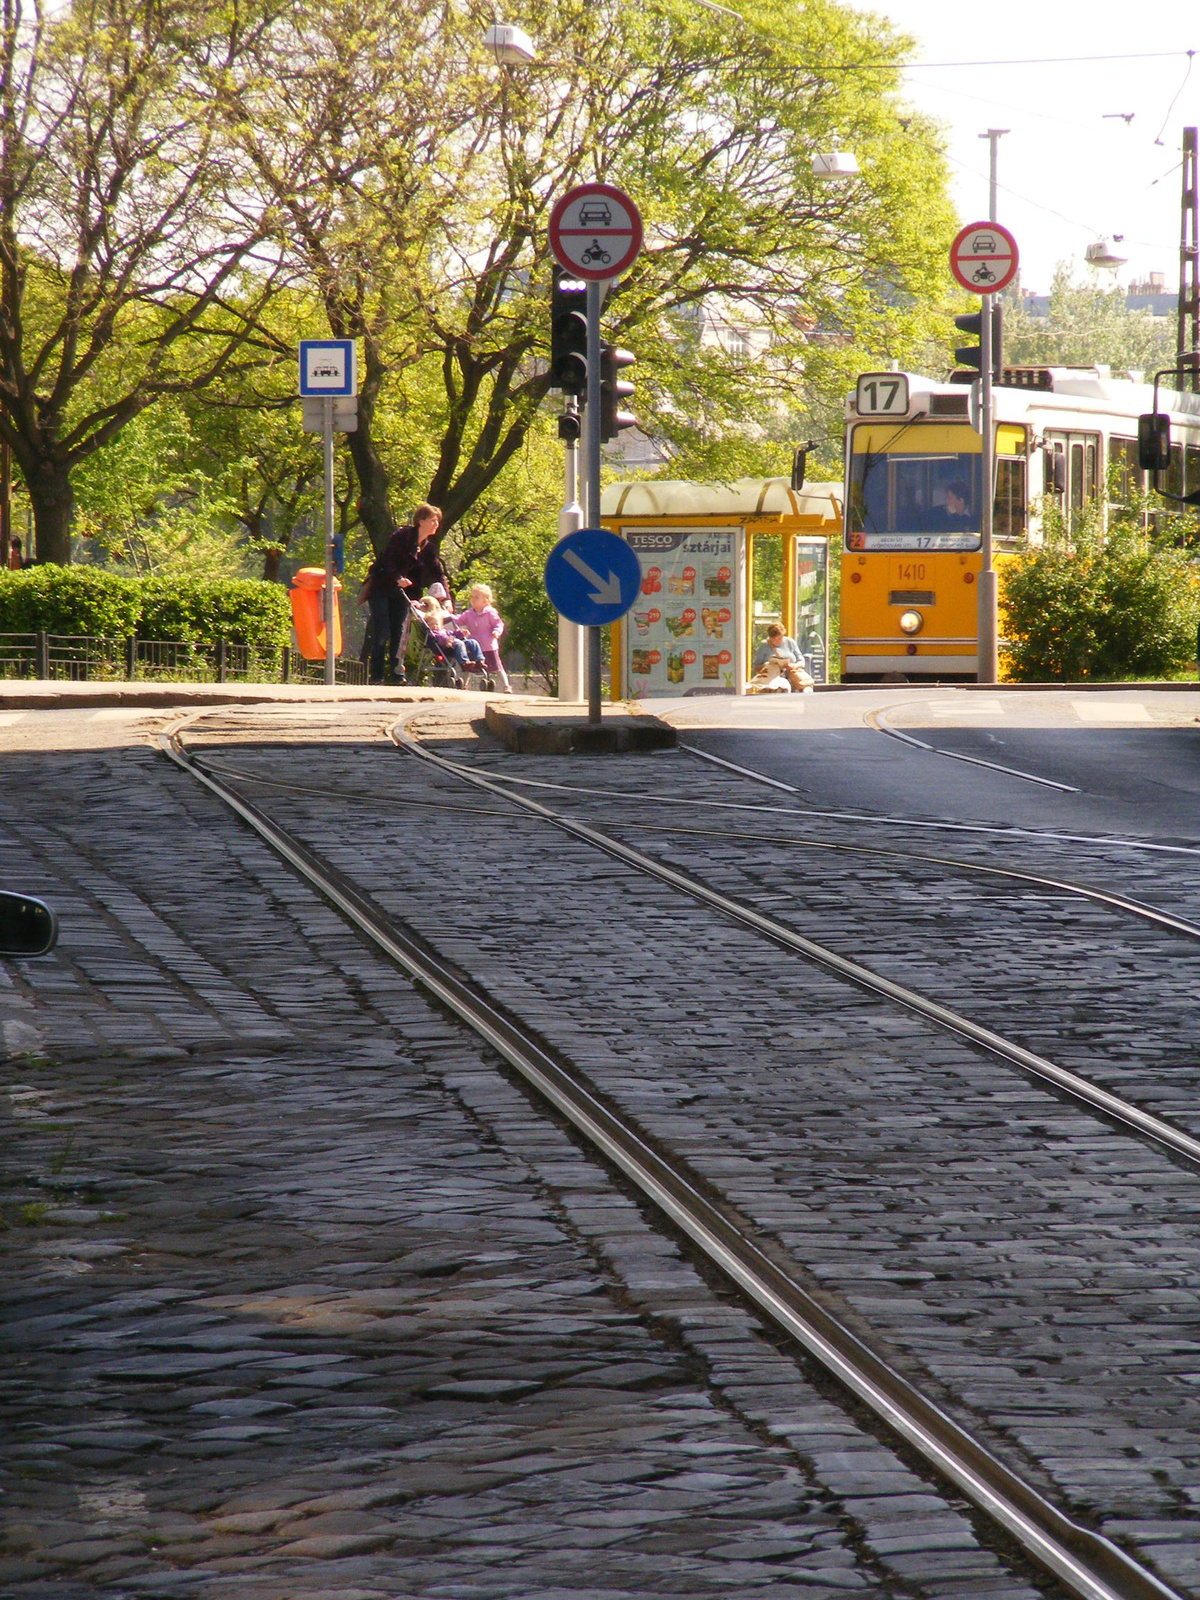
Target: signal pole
[[570, 520], [988, 665], [1189, 265]]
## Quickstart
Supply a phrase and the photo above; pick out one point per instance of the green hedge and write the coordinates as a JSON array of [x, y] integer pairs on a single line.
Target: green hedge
[[67, 600], [1100, 606]]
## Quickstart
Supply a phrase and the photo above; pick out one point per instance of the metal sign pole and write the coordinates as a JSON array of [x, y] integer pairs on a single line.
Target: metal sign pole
[[330, 601], [988, 649], [592, 436], [570, 519]]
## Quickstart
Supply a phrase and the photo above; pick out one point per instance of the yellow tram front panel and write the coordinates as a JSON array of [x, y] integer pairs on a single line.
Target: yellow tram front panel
[[937, 589], [912, 549]]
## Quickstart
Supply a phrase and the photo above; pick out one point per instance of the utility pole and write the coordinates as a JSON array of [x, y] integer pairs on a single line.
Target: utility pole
[[1188, 344], [988, 665]]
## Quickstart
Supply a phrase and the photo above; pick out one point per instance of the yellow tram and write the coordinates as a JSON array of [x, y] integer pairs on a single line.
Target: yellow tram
[[911, 539]]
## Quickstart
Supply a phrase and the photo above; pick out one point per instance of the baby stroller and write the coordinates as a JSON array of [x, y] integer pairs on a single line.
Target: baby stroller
[[446, 671]]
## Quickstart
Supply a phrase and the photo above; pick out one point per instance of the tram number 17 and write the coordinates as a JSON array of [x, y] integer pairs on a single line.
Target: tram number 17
[[882, 394]]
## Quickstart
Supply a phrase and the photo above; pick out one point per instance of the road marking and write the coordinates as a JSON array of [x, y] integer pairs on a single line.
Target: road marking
[[112, 713], [969, 706], [1110, 711], [7, 718]]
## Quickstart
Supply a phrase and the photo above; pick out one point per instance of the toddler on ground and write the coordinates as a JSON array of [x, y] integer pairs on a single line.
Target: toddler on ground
[[482, 622]]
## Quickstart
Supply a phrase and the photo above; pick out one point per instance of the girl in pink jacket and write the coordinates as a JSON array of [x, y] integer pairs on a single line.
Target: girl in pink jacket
[[481, 621]]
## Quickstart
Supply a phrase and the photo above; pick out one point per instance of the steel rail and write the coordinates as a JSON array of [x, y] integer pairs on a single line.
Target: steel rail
[[1103, 897], [878, 720], [865, 819], [1091, 1566], [1088, 1095]]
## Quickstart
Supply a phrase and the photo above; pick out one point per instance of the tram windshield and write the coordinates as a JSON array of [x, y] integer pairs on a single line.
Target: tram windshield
[[913, 499]]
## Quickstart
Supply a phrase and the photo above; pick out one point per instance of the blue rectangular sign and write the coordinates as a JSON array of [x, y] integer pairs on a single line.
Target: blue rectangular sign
[[328, 367]]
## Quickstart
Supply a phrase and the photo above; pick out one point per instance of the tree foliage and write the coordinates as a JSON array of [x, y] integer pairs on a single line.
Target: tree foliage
[[1086, 324]]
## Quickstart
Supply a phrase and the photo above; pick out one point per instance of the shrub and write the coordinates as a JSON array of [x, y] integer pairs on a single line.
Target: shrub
[[1096, 606], [245, 609], [88, 600], [69, 600]]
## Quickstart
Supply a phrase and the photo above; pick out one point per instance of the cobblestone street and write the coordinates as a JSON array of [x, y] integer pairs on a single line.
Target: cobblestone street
[[304, 1297]]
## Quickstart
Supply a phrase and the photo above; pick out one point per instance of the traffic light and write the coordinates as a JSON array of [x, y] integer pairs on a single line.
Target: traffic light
[[613, 390], [568, 334], [970, 355]]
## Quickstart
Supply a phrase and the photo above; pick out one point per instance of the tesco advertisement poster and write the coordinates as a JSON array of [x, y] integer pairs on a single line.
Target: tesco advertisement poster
[[682, 632]]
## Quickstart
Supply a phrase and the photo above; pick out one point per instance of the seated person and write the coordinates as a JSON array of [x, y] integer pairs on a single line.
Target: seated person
[[780, 656], [450, 638], [957, 514]]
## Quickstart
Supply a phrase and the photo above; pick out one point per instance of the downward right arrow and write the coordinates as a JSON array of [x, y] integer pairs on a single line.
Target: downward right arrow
[[607, 591]]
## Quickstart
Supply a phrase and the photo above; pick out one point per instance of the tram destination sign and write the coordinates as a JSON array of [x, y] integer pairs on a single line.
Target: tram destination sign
[[984, 257], [595, 231]]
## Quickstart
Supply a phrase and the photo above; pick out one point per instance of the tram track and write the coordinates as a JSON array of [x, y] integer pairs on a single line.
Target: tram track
[[1087, 1563]]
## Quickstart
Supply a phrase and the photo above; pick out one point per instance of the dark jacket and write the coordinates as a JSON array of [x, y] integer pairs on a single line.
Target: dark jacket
[[400, 558]]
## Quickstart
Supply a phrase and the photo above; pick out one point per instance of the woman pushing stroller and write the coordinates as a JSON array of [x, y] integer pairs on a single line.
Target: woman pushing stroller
[[404, 570]]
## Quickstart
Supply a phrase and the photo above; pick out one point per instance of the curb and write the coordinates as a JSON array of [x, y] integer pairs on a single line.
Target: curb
[[572, 734]]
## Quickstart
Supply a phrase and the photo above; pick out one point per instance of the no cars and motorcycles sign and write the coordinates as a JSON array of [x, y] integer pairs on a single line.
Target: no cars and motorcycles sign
[[595, 231], [984, 257]]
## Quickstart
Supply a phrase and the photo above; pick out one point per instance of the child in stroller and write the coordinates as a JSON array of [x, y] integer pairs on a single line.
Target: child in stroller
[[456, 654]]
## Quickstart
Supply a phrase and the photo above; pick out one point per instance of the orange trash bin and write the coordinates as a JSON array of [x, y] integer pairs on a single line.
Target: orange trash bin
[[307, 595]]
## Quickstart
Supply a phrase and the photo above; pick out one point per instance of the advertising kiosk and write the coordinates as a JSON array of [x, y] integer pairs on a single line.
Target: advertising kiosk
[[720, 562]]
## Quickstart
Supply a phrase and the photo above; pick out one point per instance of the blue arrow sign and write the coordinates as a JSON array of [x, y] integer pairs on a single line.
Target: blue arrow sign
[[592, 577]]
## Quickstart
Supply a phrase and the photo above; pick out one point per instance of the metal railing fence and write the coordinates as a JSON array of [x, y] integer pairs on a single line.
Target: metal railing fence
[[93, 658]]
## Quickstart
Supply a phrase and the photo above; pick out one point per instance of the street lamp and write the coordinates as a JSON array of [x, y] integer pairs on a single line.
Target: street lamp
[[510, 46], [1102, 254]]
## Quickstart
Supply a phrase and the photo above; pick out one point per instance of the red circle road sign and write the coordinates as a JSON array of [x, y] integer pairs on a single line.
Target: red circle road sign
[[595, 231], [984, 257]]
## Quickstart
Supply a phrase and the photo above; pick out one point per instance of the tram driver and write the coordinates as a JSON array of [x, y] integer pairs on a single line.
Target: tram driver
[[957, 513]]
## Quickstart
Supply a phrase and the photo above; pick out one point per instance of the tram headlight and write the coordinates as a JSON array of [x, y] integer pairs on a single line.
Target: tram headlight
[[911, 622]]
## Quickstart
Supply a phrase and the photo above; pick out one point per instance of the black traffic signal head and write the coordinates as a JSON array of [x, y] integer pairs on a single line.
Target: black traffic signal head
[[971, 355], [613, 390], [568, 334]]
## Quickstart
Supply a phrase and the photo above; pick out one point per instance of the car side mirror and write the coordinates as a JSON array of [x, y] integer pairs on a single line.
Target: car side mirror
[[28, 927], [1054, 472], [1154, 442]]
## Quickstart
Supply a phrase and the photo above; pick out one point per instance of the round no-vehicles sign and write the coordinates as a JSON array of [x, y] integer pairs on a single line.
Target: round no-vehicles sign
[[984, 257], [595, 231]]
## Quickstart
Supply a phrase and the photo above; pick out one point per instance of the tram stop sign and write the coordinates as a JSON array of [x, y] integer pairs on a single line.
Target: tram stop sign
[[592, 577], [984, 257], [595, 232]]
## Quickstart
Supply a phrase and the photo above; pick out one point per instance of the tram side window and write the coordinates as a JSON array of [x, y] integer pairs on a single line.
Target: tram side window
[[1124, 478], [1174, 483], [1191, 462], [1076, 477], [1008, 516]]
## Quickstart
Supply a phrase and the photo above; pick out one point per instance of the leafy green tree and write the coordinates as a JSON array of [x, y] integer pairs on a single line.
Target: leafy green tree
[[1086, 324], [412, 182], [128, 265]]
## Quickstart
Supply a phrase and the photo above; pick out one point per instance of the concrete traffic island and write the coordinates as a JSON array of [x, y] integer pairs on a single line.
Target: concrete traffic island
[[553, 728]]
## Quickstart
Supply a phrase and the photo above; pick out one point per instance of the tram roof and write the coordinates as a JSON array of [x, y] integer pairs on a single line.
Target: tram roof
[[772, 499]]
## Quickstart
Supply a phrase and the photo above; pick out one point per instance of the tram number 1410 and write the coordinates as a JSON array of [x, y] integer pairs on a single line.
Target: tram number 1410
[[882, 394]]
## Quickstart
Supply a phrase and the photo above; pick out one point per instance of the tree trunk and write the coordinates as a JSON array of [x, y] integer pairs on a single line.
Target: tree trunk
[[374, 501], [272, 556], [53, 499]]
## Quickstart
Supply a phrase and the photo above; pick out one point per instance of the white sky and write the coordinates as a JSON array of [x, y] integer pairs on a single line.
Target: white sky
[[1067, 176]]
